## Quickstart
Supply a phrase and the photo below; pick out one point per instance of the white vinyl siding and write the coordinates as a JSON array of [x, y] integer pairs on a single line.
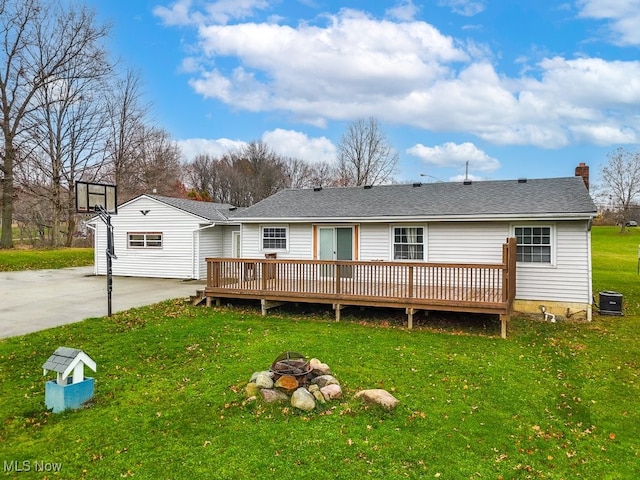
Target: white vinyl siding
[[299, 239], [208, 244], [374, 241], [182, 253], [466, 242], [227, 240], [568, 279]]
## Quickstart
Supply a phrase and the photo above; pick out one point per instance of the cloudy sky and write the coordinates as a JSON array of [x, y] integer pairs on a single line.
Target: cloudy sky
[[513, 88]]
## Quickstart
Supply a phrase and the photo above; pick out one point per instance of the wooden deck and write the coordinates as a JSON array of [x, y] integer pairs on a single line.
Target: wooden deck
[[413, 286]]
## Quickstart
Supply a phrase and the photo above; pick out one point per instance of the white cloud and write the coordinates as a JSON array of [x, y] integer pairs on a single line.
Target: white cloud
[[222, 11], [179, 13], [623, 17], [408, 73], [468, 8], [184, 12], [290, 143], [455, 156], [404, 11], [604, 135], [204, 146]]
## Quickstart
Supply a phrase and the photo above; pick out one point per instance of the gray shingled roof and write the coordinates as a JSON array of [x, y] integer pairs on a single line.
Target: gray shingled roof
[[552, 196], [209, 210], [61, 359]]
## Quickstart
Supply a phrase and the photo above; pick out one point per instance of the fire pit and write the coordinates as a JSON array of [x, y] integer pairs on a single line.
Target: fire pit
[[290, 363], [294, 379]]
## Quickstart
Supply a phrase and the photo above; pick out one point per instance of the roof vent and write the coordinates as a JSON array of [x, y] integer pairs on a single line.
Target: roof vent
[[467, 182], [368, 187], [317, 189], [417, 184], [522, 180]]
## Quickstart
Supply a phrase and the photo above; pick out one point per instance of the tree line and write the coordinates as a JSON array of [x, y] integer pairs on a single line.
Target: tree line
[[69, 112]]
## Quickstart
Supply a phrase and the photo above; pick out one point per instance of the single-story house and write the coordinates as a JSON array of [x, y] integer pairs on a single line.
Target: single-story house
[[441, 223], [465, 246], [157, 236]]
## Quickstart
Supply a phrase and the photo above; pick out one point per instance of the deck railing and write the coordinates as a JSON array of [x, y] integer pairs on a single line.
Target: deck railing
[[443, 286]]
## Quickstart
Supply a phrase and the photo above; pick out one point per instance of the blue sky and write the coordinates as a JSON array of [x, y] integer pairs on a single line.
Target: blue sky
[[516, 88]]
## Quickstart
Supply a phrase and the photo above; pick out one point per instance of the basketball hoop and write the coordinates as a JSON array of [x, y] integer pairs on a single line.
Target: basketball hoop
[[101, 199], [89, 196]]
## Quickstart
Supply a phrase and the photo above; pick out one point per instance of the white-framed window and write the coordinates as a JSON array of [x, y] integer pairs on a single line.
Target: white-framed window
[[408, 243], [275, 237], [144, 240], [535, 244]]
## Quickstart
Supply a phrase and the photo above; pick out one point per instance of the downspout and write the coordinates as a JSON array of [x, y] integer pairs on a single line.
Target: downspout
[[194, 261], [95, 239], [590, 263]]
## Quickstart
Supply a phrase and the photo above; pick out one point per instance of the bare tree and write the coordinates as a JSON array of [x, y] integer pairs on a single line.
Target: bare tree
[[364, 155], [299, 173], [202, 175], [621, 177], [156, 167], [39, 42], [68, 123], [125, 125]]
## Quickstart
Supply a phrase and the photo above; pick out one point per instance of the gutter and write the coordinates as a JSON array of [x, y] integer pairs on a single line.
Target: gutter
[[437, 218]]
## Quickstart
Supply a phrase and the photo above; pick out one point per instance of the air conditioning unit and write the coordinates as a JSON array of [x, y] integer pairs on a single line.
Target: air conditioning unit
[[610, 303]]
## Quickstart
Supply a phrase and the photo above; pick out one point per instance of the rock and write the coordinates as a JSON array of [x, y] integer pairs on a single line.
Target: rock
[[378, 396], [255, 375], [324, 380], [251, 389], [287, 382], [272, 396], [313, 388], [318, 367], [318, 395], [331, 391], [303, 400], [263, 380]]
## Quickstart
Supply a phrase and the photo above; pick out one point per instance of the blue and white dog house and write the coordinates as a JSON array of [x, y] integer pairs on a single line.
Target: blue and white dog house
[[71, 389]]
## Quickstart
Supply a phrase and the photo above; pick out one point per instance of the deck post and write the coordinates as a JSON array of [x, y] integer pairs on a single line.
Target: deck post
[[410, 312], [266, 305], [208, 301], [213, 274], [337, 307], [504, 319]]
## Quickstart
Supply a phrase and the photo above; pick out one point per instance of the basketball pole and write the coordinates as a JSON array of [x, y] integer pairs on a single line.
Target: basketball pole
[[106, 218]]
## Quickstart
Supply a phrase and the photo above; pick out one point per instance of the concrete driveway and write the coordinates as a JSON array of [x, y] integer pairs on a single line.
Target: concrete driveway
[[39, 299]]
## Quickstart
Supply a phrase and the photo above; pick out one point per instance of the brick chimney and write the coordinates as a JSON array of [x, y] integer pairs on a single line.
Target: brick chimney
[[582, 170]]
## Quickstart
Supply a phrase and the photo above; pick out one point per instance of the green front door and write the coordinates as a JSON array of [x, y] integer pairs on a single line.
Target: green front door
[[336, 243]]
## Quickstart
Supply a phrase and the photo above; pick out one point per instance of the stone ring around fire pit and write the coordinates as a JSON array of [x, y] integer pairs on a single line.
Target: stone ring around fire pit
[[291, 378], [290, 363]]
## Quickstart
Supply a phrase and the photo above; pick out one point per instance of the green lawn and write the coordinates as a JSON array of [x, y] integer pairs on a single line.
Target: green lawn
[[35, 259], [552, 401]]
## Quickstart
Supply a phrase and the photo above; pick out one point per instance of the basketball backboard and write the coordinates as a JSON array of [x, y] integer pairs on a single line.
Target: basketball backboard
[[89, 195]]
